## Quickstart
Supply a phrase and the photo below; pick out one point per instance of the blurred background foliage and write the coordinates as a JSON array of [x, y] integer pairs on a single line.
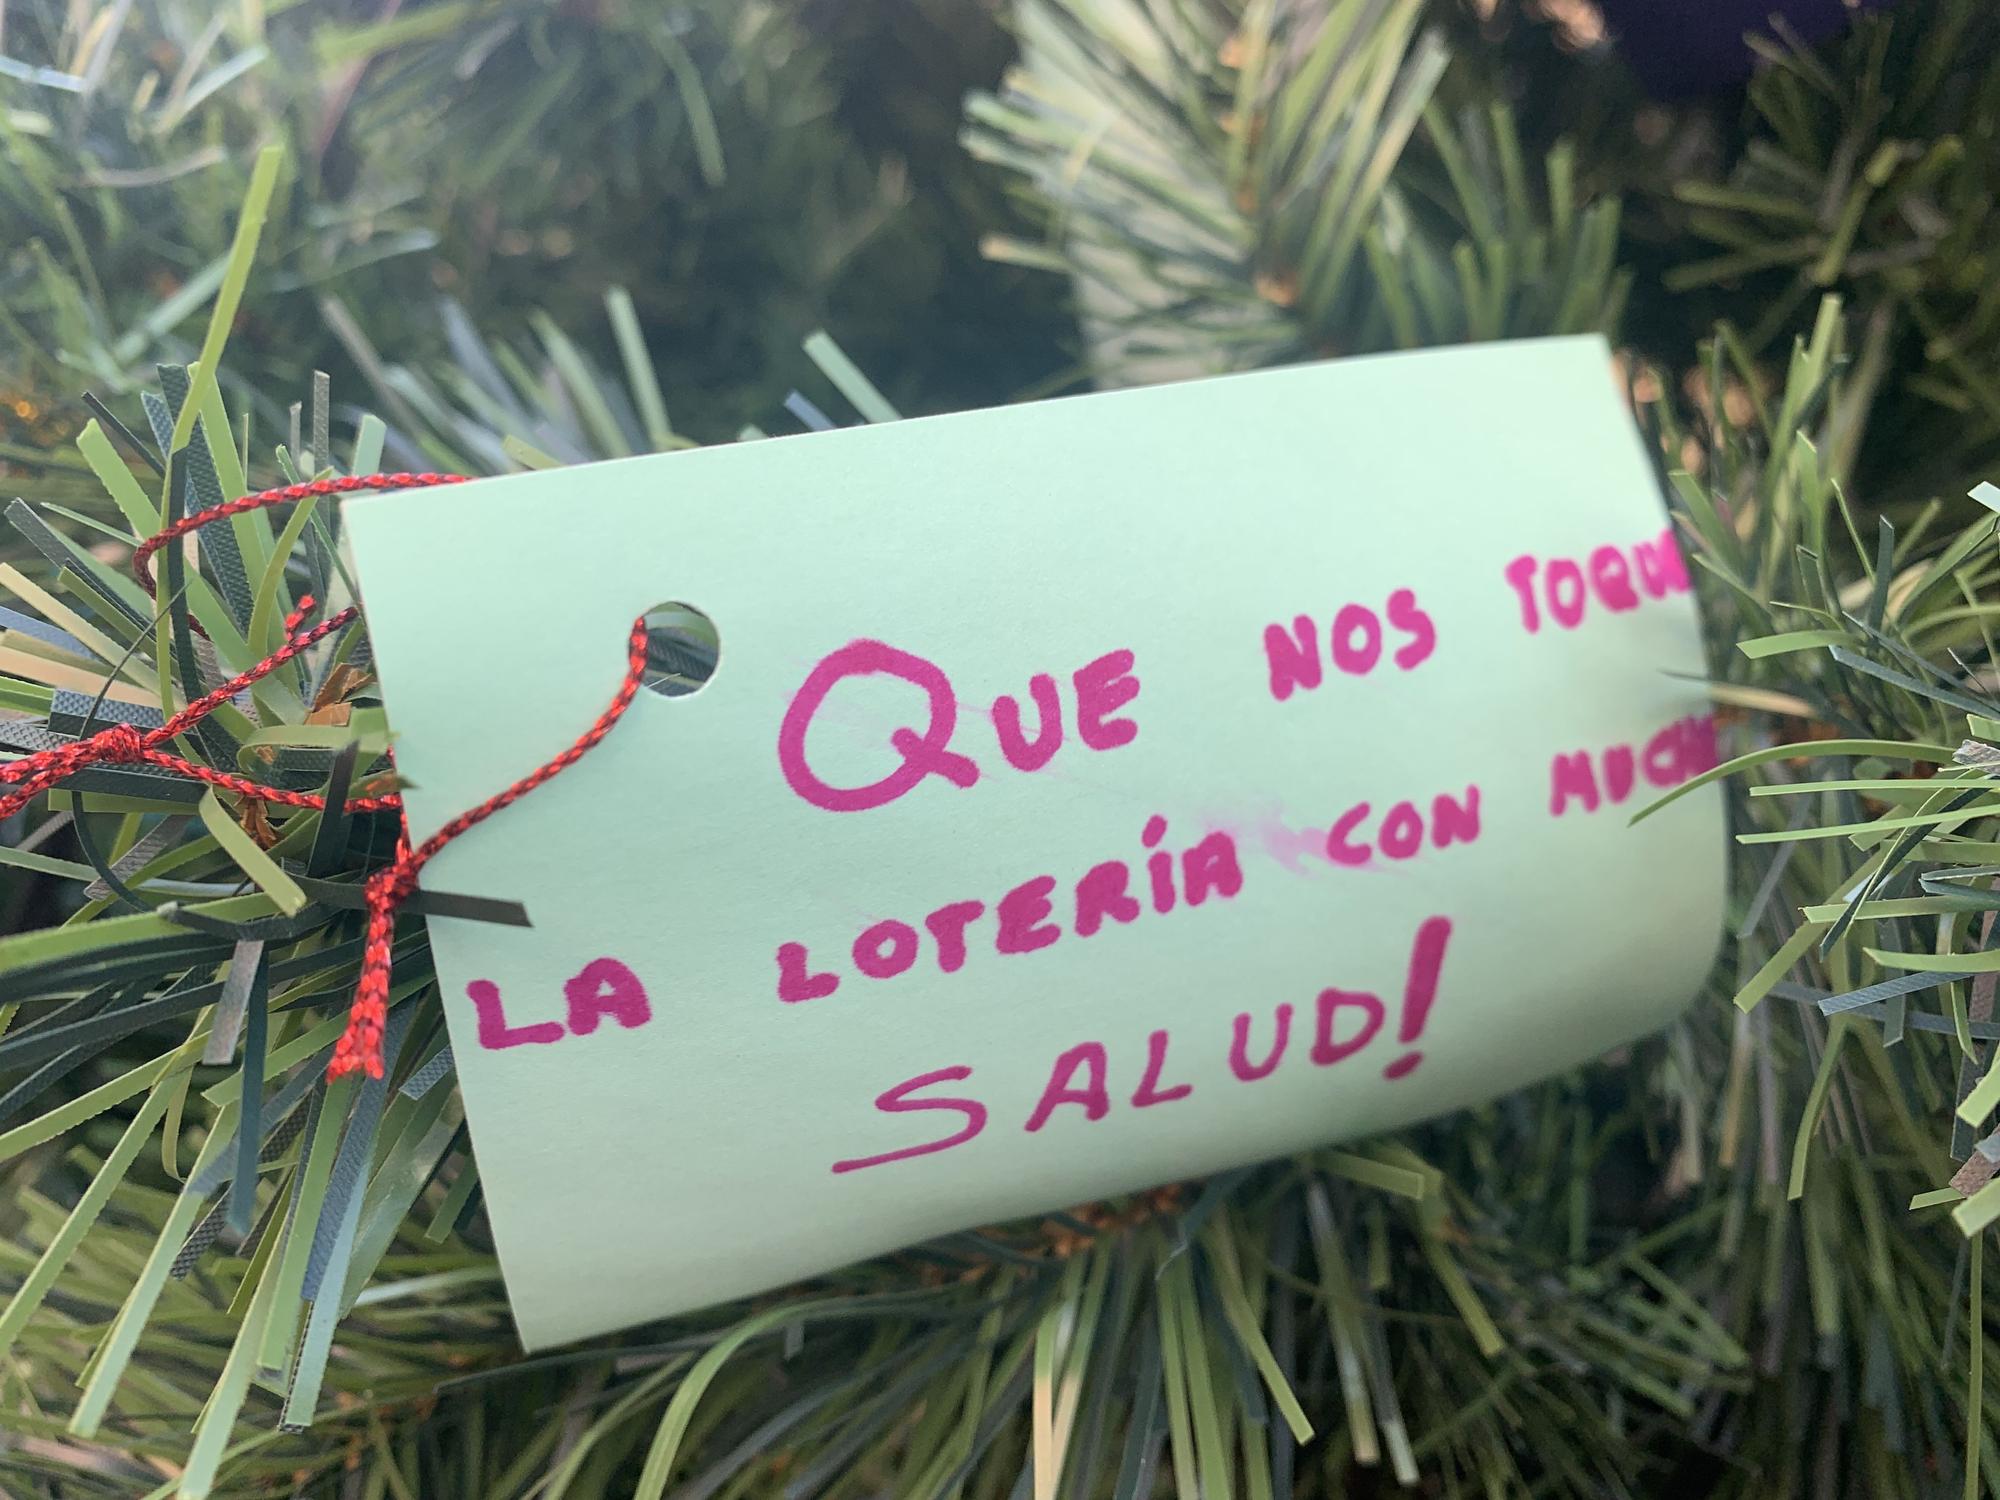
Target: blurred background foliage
[[749, 171]]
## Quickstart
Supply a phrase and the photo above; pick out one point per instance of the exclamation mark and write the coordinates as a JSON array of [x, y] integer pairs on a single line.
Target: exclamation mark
[[1426, 959]]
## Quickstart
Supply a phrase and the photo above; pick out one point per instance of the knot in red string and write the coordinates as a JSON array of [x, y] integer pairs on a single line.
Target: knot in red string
[[124, 744], [31, 775], [120, 744], [360, 1046]]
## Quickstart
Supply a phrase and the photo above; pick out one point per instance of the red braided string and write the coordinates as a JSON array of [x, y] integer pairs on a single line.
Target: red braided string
[[360, 1046], [142, 559], [123, 744]]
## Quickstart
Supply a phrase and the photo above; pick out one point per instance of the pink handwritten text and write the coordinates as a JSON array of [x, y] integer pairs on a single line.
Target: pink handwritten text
[[1679, 752], [1081, 1079], [1028, 917], [1356, 642], [603, 989], [1400, 833], [1098, 690], [1617, 578]]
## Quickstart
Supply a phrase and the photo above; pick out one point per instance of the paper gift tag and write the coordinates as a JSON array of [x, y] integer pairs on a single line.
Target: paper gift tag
[[1090, 794]]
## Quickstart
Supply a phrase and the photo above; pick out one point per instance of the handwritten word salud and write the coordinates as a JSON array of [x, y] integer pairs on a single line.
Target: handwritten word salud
[[1079, 1086]]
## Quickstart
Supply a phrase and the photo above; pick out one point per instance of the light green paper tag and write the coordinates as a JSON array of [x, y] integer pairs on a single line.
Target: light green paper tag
[[1091, 794]]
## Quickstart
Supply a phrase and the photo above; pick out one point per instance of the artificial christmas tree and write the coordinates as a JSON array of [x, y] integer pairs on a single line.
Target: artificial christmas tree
[[1743, 1258]]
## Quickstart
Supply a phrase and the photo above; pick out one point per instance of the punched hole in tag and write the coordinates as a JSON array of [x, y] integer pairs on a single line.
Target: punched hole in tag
[[682, 649]]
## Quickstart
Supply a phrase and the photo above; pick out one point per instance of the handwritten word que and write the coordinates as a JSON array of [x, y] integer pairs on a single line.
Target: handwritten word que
[[1098, 689], [1024, 919], [1345, 1022]]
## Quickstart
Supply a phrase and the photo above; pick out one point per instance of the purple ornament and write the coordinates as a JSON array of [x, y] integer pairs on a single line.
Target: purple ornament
[[1680, 47]]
